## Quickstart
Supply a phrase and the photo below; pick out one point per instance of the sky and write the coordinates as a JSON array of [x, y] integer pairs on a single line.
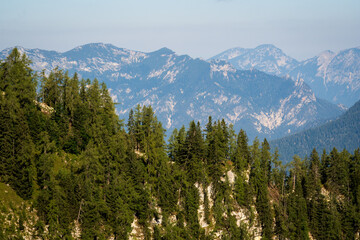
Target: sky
[[199, 28]]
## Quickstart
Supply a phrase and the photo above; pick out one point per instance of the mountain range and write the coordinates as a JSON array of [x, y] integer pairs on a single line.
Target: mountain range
[[332, 76], [180, 88], [342, 133]]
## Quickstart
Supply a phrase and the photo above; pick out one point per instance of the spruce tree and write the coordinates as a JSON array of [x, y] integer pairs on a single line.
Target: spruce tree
[[241, 157], [17, 87], [194, 153], [259, 183], [297, 209]]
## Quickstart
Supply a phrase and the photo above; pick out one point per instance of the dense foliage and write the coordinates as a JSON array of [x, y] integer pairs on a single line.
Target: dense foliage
[[89, 175]]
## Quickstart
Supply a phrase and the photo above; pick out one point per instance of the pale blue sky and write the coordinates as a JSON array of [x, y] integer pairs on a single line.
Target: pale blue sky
[[200, 28]]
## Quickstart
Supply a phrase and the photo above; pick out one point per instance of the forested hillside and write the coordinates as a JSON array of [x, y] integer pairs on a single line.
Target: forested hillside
[[70, 169], [341, 133]]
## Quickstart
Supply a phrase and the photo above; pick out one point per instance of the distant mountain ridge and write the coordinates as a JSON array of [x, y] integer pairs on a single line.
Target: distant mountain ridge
[[332, 76], [181, 88], [266, 58], [341, 133]]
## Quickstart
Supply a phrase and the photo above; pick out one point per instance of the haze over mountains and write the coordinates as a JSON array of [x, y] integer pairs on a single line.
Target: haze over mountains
[[181, 88], [342, 133], [332, 76]]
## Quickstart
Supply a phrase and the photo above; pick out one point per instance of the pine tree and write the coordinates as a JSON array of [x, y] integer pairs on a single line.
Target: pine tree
[[194, 153], [241, 157], [355, 186], [217, 147], [241, 190], [266, 159], [17, 87], [172, 145], [131, 128], [120, 216], [259, 183], [325, 163], [297, 209], [17, 79], [180, 150], [314, 176], [313, 193], [338, 172]]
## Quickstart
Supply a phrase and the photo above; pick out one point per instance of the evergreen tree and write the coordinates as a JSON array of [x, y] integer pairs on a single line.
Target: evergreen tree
[[266, 159], [194, 153], [314, 176], [173, 145], [297, 209], [17, 80], [180, 150], [217, 147], [17, 87], [258, 180], [338, 172], [325, 163], [355, 187], [241, 157]]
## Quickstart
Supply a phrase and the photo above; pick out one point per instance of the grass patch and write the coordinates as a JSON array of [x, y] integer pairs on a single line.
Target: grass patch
[[8, 196]]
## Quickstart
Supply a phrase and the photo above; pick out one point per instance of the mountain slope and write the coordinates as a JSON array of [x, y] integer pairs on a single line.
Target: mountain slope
[[332, 76], [341, 133], [335, 77], [181, 89]]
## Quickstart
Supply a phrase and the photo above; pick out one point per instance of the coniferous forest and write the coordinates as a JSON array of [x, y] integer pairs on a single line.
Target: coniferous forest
[[70, 169]]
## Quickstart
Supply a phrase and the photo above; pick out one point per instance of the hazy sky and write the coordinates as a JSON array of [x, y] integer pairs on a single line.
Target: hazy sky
[[200, 28]]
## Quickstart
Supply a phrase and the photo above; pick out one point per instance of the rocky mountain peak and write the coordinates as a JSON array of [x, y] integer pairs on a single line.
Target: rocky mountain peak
[[164, 51], [270, 48], [266, 57]]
